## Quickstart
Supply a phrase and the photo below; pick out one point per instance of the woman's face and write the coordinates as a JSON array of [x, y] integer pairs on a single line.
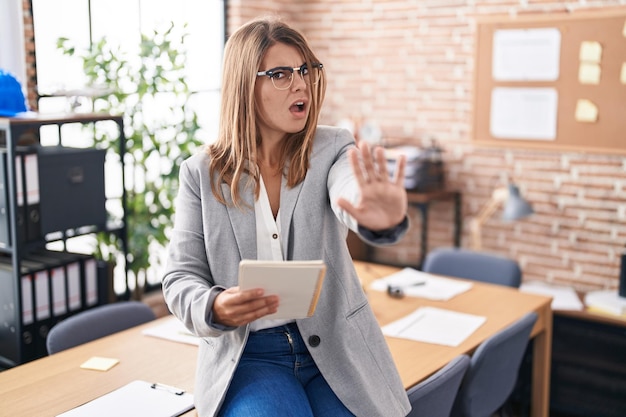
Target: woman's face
[[281, 111]]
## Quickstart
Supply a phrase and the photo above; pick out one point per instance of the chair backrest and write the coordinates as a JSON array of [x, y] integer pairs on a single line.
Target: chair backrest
[[97, 322], [493, 370], [469, 264], [435, 396]]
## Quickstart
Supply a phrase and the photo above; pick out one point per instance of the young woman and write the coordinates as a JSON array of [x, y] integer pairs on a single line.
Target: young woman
[[276, 186]]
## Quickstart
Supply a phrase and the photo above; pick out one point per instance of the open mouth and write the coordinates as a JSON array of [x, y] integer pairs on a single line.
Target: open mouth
[[298, 107]]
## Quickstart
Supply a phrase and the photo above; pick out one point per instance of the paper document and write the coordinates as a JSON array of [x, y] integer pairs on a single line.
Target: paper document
[[526, 54], [606, 301], [563, 298], [524, 113], [298, 284], [138, 398], [172, 329], [416, 283], [435, 325]]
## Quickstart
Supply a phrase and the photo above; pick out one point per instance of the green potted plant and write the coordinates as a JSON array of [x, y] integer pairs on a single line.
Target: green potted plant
[[148, 88]]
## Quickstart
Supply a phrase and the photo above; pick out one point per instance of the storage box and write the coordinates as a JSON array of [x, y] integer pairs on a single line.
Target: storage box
[[424, 167], [71, 187]]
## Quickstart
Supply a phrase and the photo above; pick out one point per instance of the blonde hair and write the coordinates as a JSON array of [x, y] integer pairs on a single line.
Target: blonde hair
[[235, 151]]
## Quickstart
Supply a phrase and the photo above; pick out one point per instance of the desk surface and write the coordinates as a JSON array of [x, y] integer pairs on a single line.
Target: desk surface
[[54, 384]]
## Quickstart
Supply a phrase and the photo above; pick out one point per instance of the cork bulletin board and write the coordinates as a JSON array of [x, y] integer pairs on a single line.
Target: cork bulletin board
[[555, 82]]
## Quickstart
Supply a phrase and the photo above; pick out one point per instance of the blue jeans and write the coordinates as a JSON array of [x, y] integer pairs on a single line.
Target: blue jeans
[[276, 376]]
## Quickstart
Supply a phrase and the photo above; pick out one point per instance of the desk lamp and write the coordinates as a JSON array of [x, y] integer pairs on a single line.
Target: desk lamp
[[515, 208]]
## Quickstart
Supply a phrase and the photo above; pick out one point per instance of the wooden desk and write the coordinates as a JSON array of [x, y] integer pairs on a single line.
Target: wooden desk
[[56, 383], [51, 385], [501, 305]]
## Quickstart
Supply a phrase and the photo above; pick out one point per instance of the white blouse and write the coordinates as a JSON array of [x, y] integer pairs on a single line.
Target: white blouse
[[268, 246]]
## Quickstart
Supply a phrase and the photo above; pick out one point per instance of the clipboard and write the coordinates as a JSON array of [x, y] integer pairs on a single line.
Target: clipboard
[[137, 398]]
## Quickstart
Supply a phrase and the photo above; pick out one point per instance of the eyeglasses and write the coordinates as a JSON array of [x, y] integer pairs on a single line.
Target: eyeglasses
[[282, 77]]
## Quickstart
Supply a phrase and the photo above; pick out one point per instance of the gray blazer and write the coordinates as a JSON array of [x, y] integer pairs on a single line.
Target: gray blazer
[[208, 241]]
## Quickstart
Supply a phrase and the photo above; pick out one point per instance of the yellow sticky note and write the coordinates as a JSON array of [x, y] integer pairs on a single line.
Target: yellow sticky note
[[586, 111], [589, 73], [622, 76], [590, 51], [98, 363]]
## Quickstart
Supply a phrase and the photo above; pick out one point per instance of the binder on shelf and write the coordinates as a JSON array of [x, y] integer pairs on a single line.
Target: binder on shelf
[[31, 178], [27, 340], [5, 222], [90, 272], [82, 276], [36, 316], [27, 196], [20, 191], [58, 283], [43, 304]]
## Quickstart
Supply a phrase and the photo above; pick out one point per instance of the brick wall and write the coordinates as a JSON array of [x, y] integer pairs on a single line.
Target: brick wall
[[29, 44], [408, 66]]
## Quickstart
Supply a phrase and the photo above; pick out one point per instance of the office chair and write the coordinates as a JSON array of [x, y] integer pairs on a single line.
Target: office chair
[[435, 396], [470, 264], [492, 373], [97, 322]]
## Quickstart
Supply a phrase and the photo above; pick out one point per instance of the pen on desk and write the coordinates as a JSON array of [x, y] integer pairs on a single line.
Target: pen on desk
[[167, 388], [397, 291]]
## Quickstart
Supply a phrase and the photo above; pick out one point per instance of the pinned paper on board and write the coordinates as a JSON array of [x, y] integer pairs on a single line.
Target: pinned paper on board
[[526, 54], [590, 51], [622, 76], [524, 113], [589, 73], [586, 111]]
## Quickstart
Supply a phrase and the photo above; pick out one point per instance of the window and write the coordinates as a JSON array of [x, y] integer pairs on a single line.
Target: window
[[123, 21], [62, 84]]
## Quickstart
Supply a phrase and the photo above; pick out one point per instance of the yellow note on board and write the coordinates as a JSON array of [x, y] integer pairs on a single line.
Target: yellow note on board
[[98, 363], [586, 111], [589, 73], [590, 51], [622, 76]]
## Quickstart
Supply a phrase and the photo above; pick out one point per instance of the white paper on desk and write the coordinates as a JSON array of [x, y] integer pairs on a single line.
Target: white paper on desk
[[434, 287], [435, 325], [563, 298], [137, 398], [172, 329]]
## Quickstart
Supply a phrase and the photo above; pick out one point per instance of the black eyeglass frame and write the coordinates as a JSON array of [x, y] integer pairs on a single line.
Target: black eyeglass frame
[[270, 72]]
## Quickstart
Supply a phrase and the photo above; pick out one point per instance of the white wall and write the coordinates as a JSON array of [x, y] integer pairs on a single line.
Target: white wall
[[12, 57]]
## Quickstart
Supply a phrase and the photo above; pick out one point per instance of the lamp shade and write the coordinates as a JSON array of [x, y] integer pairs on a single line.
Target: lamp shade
[[516, 207]]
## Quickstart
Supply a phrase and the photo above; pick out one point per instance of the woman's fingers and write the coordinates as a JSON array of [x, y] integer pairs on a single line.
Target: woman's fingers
[[237, 308]]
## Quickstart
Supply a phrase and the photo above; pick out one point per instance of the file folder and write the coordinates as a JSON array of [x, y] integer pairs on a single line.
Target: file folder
[[31, 345], [5, 213], [23, 348], [72, 271], [82, 274], [33, 214], [58, 282], [5, 222], [43, 304]]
